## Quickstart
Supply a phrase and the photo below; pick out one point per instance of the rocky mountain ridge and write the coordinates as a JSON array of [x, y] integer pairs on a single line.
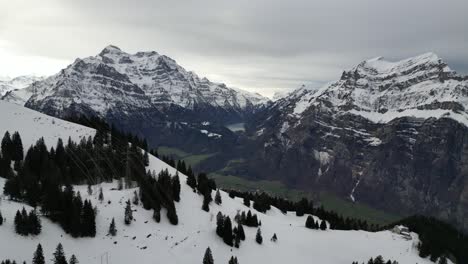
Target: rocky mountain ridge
[[389, 134]]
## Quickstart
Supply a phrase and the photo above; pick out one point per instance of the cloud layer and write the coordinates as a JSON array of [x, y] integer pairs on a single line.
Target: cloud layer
[[262, 45]]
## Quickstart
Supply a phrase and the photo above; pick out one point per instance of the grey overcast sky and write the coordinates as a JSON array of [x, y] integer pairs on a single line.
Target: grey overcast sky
[[258, 45]]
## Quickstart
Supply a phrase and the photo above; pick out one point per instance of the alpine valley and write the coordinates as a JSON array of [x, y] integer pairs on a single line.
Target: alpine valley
[[390, 135]]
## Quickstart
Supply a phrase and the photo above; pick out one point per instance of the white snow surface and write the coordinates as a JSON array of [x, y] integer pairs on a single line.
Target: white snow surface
[[145, 79], [9, 84], [186, 242], [381, 91]]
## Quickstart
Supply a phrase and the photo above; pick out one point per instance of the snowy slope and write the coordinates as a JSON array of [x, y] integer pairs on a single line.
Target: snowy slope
[[17, 83], [144, 80], [379, 90], [186, 242]]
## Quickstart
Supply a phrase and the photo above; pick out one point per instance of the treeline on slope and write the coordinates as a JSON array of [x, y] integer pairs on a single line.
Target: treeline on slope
[[38, 178], [59, 257], [439, 240], [378, 260], [263, 202]]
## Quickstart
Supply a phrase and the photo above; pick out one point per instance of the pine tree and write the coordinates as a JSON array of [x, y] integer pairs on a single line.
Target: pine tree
[[240, 231], [191, 181], [38, 257], [17, 145], [233, 260], [443, 260], [101, 195], [206, 201], [88, 220], [19, 223], [135, 199], [208, 258], [323, 225], [90, 189], [73, 260], [157, 215], [1, 218], [246, 201], [128, 213], [59, 255], [146, 158], [112, 228], [219, 224], [310, 222], [274, 238], [176, 187], [218, 200], [34, 223], [7, 147], [227, 231], [259, 237]]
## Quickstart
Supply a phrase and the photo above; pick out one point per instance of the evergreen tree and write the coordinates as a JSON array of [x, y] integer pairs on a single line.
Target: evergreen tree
[[59, 255], [112, 228], [1, 218], [90, 189], [7, 147], [88, 220], [34, 223], [246, 201], [220, 224], [208, 258], [240, 231], [135, 199], [73, 260], [191, 181], [146, 158], [218, 200], [323, 225], [19, 224], [259, 237], [17, 146], [233, 260], [310, 222], [176, 187], [227, 231], [443, 260], [206, 201], [172, 214], [38, 257], [101, 195], [274, 238], [157, 215], [128, 213], [236, 238]]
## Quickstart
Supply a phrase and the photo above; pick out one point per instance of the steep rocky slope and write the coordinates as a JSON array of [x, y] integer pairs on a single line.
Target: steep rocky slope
[[390, 134], [144, 240], [147, 93]]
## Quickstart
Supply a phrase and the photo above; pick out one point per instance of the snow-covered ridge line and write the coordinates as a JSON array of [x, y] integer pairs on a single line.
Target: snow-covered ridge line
[[422, 86], [8, 84], [145, 240]]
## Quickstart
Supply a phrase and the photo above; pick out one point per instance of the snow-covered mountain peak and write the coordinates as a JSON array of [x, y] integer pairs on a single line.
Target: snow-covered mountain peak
[[381, 90], [8, 84], [115, 80], [427, 64]]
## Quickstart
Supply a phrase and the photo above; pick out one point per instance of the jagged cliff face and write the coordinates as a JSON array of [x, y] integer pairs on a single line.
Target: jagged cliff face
[[391, 134], [146, 93], [132, 82]]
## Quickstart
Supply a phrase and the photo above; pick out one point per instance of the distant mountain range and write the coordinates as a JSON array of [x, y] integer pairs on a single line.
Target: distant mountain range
[[9, 84], [390, 134]]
